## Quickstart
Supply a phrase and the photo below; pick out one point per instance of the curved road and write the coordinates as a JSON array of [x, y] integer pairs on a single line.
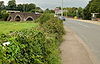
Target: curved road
[[89, 33]]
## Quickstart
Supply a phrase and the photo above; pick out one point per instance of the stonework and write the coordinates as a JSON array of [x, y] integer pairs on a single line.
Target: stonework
[[22, 16]]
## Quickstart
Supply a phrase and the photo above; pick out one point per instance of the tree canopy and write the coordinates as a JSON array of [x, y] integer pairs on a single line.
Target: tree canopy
[[92, 7], [11, 5], [28, 7], [73, 11], [2, 5]]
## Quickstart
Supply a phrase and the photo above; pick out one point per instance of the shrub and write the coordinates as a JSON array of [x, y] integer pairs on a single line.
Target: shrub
[[33, 46], [54, 26], [25, 48], [44, 17], [4, 15]]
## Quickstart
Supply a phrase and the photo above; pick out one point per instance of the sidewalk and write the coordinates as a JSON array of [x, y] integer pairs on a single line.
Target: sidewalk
[[75, 51]]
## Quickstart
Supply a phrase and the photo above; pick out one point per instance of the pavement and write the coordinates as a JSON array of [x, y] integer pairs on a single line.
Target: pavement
[[81, 44]]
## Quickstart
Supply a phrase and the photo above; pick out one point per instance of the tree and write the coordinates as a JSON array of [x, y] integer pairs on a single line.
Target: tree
[[26, 7], [80, 12], [20, 7], [2, 6], [31, 6], [71, 12], [59, 8], [4, 15], [92, 7], [37, 9], [11, 5], [49, 11]]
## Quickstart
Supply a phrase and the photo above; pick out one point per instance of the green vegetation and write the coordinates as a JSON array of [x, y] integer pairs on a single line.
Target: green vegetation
[[92, 7], [84, 13], [4, 15], [19, 7], [6, 27], [44, 18], [39, 45], [72, 12], [28, 7]]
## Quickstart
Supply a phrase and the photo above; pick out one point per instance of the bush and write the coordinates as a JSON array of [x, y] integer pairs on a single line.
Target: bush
[[4, 15], [44, 17], [33, 46], [54, 26]]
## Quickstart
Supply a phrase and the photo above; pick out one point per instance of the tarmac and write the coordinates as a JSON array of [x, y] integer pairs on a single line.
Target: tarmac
[[74, 50]]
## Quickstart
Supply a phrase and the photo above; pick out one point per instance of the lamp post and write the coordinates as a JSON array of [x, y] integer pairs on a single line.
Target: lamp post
[[62, 9]]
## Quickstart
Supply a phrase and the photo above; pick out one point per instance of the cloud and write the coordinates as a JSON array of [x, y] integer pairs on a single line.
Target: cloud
[[54, 3]]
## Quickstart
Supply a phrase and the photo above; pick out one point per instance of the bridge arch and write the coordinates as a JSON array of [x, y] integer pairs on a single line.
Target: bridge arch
[[18, 18], [9, 18], [29, 18]]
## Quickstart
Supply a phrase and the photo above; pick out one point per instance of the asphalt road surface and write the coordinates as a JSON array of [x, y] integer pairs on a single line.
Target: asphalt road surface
[[89, 33]]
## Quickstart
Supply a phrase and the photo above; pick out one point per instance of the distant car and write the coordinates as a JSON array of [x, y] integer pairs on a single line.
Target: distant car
[[62, 18]]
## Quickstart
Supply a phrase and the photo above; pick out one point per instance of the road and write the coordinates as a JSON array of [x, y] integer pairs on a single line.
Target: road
[[89, 33]]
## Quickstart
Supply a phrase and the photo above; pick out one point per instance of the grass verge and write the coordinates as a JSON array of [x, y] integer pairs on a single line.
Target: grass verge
[[6, 27]]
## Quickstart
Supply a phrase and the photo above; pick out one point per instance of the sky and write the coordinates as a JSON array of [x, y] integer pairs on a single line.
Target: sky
[[53, 3]]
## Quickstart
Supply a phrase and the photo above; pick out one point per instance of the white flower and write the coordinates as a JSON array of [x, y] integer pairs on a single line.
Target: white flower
[[6, 43]]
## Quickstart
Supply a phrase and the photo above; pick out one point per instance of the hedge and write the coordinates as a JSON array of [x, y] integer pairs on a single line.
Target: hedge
[[33, 46]]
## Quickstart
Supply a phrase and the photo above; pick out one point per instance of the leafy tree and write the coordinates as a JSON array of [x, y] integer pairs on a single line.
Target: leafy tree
[[11, 5], [80, 12], [20, 7], [71, 12], [59, 8], [26, 7], [4, 15], [2, 6], [38, 9], [49, 11], [31, 6], [92, 7]]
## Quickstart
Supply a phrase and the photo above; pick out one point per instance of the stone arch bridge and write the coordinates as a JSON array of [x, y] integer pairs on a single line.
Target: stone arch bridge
[[22, 16]]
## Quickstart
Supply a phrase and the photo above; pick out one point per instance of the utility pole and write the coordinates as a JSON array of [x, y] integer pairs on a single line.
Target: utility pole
[[62, 9], [77, 13]]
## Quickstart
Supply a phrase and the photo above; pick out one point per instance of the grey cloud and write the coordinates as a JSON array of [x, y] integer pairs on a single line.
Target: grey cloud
[[55, 3]]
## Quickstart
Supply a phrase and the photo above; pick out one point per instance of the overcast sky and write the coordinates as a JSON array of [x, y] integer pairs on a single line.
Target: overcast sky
[[53, 3]]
